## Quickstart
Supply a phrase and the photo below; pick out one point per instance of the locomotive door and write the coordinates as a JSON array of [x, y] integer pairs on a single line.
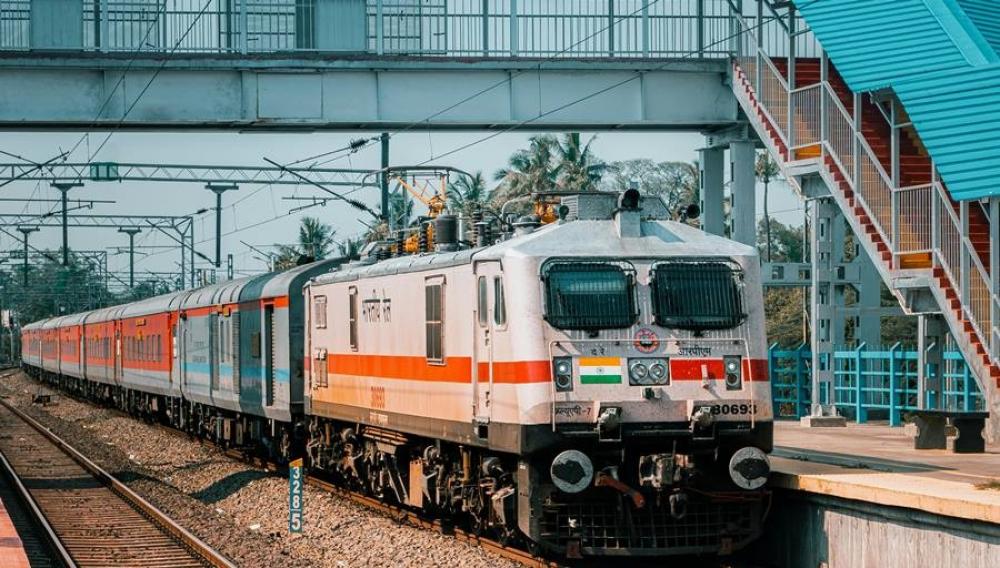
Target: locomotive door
[[483, 352]]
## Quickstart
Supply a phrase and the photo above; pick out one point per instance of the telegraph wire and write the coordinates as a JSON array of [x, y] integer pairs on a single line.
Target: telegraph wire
[[156, 74], [121, 79], [508, 79], [493, 135], [597, 93]]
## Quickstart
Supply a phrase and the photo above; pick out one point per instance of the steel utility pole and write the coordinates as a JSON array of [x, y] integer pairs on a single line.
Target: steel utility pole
[[25, 231], [219, 189], [64, 188], [131, 232], [384, 178]]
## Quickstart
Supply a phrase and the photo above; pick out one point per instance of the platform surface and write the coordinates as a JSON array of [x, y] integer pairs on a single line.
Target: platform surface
[[11, 550], [878, 464]]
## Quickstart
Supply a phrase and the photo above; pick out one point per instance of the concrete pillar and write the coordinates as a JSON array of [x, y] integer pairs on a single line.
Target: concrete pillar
[[742, 156], [824, 216], [712, 171], [931, 341], [869, 288]]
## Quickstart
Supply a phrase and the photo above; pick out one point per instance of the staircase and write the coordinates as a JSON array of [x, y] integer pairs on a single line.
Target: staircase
[[910, 226]]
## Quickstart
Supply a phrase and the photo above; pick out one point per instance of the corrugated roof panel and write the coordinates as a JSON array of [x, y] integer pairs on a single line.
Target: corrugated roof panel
[[957, 114], [874, 43], [985, 14], [940, 57]]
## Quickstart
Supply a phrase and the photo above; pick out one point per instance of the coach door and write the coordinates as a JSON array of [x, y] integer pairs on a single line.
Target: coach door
[[118, 352], [484, 322]]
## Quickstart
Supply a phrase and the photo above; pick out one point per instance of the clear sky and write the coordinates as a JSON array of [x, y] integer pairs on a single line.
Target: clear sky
[[257, 214]]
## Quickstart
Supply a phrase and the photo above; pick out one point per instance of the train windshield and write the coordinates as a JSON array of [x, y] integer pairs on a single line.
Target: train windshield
[[698, 295], [590, 295]]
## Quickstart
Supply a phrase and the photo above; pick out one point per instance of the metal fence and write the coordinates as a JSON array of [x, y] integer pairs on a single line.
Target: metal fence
[[870, 383], [450, 28]]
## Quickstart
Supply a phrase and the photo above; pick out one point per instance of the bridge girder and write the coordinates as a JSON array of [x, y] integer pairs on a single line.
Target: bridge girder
[[94, 91]]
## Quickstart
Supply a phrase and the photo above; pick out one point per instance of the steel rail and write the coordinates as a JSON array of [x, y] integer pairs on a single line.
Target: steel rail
[[38, 517], [158, 517], [401, 514]]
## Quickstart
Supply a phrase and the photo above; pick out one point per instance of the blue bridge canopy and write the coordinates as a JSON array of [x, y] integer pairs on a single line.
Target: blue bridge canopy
[[941, 59]]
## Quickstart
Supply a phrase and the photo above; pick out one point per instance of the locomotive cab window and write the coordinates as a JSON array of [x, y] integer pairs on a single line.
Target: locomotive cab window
[[434, 318], [483, 302], [698, 295], [499, 303], [352, 317], [590, 295]]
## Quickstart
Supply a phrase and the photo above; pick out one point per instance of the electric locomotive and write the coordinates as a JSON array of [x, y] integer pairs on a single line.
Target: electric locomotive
[[595, 385]]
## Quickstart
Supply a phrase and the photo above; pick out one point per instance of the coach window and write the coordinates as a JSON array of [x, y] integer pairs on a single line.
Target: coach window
[[483, 302], [434, 316], [352, 317], [319, 312], [499, 303]]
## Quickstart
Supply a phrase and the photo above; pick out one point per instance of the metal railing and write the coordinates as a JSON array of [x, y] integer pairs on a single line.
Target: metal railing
[[872, 383], [899, 215], [447, 28]]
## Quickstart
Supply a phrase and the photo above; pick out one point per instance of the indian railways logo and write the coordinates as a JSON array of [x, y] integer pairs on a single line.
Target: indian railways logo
[[645, 341]]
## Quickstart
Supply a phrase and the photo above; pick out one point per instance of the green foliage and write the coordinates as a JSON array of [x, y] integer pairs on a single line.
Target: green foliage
[[549, 164], [674, 182], [786, 241], [350, 247], [784, 308], [316, 240], [54, 289], [785, 316], [468, 193]]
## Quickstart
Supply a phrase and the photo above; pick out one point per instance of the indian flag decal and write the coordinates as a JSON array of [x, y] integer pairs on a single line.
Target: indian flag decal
[[600, 370]]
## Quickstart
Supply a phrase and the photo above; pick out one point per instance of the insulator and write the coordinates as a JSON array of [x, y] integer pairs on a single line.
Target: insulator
[[446, 230], [422, 242], [482, 234]]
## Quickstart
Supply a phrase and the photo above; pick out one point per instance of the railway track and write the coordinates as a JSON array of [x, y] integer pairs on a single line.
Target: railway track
[[88, 517], [405, 515], [400, 514]]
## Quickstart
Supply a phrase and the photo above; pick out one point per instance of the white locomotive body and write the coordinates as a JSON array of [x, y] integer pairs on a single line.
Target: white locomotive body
[[598, 385]]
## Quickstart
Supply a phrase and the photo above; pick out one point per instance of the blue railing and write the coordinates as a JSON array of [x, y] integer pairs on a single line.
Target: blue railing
[[871, 383]]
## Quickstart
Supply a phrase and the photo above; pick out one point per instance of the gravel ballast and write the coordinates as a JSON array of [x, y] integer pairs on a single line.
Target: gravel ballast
[[240, 510]]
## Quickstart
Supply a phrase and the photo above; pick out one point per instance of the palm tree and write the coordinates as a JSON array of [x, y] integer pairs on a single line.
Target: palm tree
[[766, 169], [288, 256], [527, 171], [351, 247], [315, 242], [468, 193], [315, 238], [578, 169]]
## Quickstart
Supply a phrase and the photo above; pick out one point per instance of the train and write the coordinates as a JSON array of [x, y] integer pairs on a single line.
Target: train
[[590, 380]]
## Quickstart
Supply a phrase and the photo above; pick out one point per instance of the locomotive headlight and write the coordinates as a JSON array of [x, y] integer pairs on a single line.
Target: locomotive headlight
[[648, 371], [638, 373], [562, 373], [658, 371], [734, 375]]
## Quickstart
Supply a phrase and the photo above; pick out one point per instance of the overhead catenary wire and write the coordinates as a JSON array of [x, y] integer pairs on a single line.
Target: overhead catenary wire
[[509, 78], [542, 115], [156, 73], [593, 94], [520, 124]]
